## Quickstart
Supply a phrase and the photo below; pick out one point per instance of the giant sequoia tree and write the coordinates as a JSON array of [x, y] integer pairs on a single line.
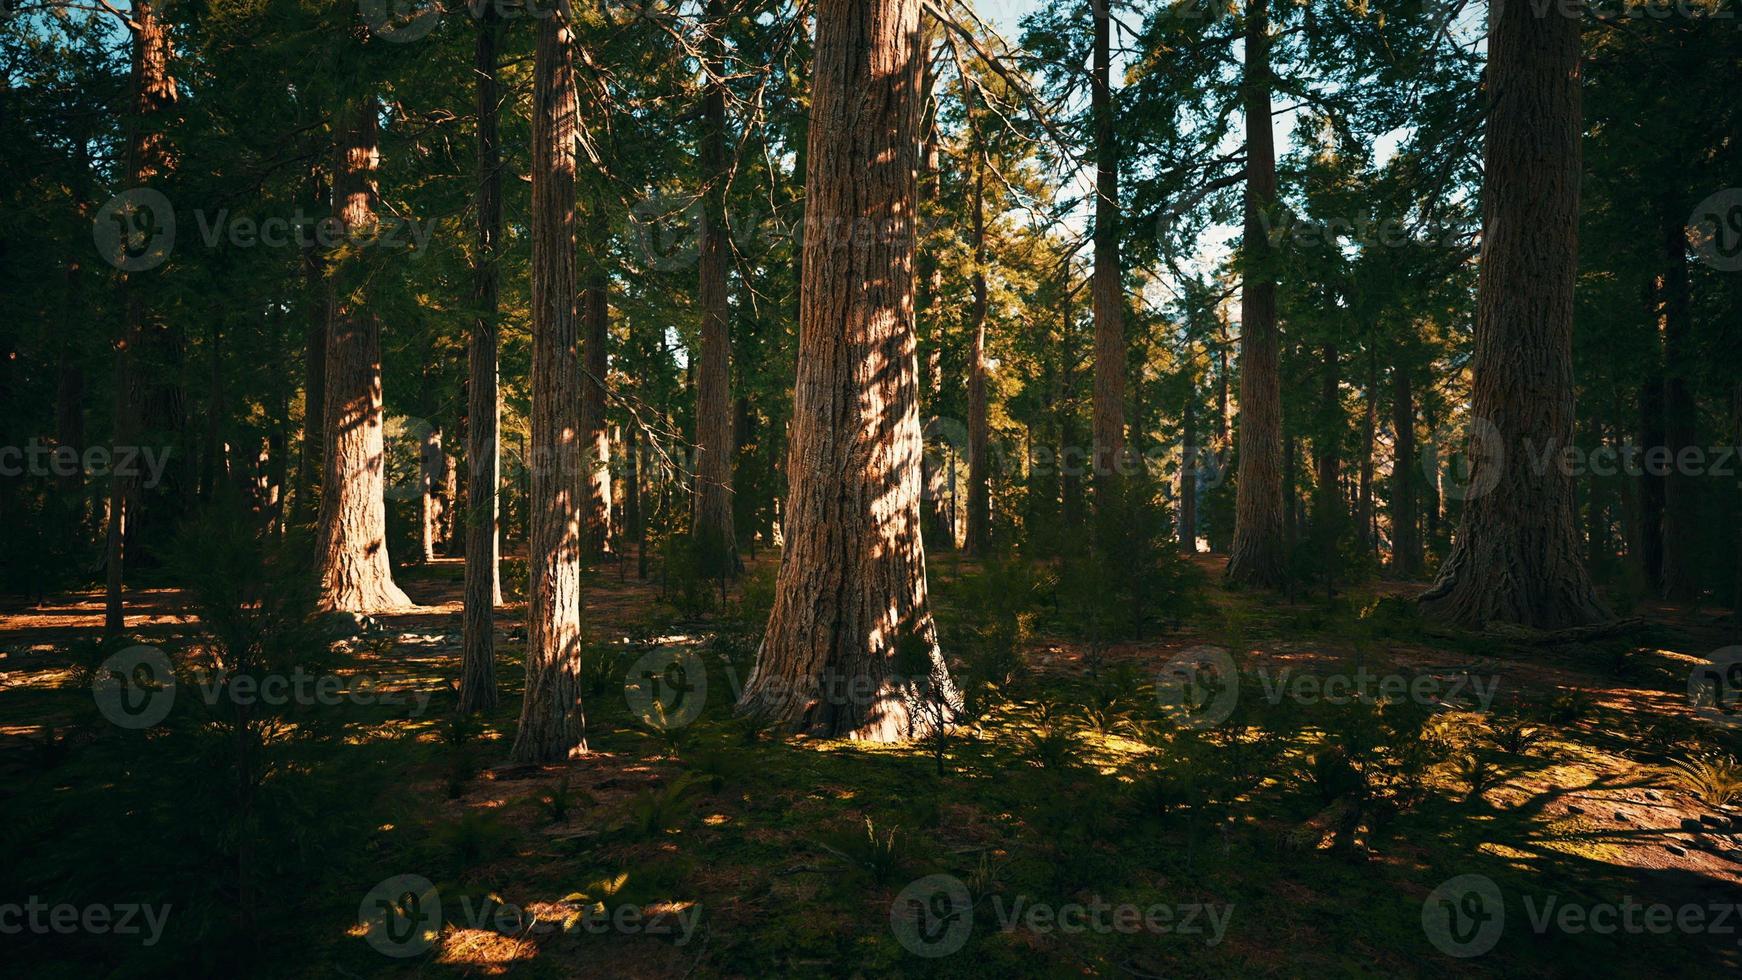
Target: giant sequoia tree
[[551, 725], [850, 647], [356, 574], [1516, 556]]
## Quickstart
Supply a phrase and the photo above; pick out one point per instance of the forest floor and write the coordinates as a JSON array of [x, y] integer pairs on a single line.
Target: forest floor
[[1302, 837]]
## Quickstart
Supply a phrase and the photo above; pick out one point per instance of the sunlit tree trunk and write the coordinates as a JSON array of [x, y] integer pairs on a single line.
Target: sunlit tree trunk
[[1259, 520], [552, 727], [851, 648], [714, 447], [483, 587], [431, 465], [1516, 558], [355, 572]]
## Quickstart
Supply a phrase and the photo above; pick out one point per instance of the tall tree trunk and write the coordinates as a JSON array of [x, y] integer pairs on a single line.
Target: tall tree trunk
[[935, 519], [1188, 475], [356, 574], [1258, 557], [1516, 557], [552, 727], [1107, 291], [1406, 554], [1071, 466], [979, 536], [1369, 431], [1676, 577], [1327, 445], [431, 464], [483, 588], [147, 158], [715, 535], [851, 648], [595, 433]]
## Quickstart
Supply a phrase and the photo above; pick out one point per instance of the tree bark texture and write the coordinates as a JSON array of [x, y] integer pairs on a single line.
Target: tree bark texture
[[851, 648]]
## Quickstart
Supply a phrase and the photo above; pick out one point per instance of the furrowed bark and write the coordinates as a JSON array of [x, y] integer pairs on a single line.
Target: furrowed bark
[[851, 648]]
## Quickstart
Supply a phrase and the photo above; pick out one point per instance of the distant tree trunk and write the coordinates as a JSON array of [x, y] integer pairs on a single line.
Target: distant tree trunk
[[979, 536], [1676, 578], [147, 158], [483, 587], [452, 542], [935, 520], [1369, 431], [632, 500], [314, 376], [1071, 465], [1107, 291], [1406, 554], [1516, 557], [1258, 557], [355, 572], [1327, 445], [851, 648], [552, 727], [715, 535], [595, 432], [430, 467], [1188, 475], [1648, 525]]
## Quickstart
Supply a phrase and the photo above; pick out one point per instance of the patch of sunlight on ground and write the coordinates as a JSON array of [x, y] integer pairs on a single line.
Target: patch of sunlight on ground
[[485, 950]]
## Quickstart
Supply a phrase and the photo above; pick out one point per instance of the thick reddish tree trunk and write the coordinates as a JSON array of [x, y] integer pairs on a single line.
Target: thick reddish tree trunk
[[1516, 557], [355, 572], [851, 648], [1107, 289], [1258, 557], [714, 531], [552, 727], [483, 588]]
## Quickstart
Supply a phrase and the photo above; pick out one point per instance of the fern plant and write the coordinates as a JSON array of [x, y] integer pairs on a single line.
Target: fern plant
[[1714, 779]]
